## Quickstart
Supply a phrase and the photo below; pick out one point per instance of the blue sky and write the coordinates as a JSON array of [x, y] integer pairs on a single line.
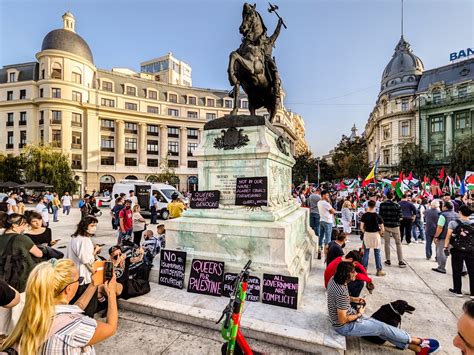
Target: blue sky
[[330, 58]]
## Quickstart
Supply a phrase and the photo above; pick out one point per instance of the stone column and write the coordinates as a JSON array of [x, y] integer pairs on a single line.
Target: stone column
[[201, 130], [163, 142], [120, 142], [183, 147], [449, 132], [142, 144]]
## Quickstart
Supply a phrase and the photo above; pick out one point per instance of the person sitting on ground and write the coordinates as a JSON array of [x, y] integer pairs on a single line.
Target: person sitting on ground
[[348, 321], [464, 339], [335, 247], [49, 324], [41, 236], [175, 207], [356, 286], [153, 244]]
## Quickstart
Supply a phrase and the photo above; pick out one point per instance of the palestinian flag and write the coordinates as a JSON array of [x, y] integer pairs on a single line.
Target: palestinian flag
[[469, 180]]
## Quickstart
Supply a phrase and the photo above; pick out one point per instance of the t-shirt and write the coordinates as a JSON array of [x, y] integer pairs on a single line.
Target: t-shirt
[[175, 209], [137, 225], [126, 215], [408, 209], [134, 200], [334, 251], [312, 201], [80, 249], [66, 199], [7, 294], [43, 238], [453, 224], [324, 207], [43, 209], [338, 298], [11, 203], [153, 201], [371, 221]]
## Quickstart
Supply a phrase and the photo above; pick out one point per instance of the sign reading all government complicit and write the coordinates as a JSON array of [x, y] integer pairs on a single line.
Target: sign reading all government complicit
[[206, 277], [172, 267], [205, 199], [251, 192], [280, 290]]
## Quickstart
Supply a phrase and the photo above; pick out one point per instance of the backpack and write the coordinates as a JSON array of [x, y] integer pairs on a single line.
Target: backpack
[[11, 266], [81, 203], [462, 238]]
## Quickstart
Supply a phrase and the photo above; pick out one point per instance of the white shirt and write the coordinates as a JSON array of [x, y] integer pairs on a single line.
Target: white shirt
[[324, 207], [80, 249], [11, 202], [66, 200], [43, 209], [134, 200]]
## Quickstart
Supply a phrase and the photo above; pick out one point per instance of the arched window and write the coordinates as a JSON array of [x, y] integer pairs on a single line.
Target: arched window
[[131, 177], [152, 178], [56, 71], [76, 76]]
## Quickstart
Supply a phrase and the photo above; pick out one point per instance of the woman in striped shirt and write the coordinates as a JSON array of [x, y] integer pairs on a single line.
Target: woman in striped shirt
[[49, 324]]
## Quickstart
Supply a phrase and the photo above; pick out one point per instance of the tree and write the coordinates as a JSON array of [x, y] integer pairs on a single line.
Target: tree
[[350, 157], [49, 166], [462, 156], [304, 168], [413, 158], [11, 168]]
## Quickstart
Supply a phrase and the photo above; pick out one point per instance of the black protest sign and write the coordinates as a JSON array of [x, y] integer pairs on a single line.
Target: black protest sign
[[253, 289], [172, 266], [206, 277], [251, 192], [280, 290], [205, 199]]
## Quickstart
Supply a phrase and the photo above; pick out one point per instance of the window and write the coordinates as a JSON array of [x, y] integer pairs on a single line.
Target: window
[[22, 119], [107, 86], [173, 132], [244, 104], [42, 73], [76, 96], [56, 138], [437, 151], [192, 164], [405, 128], [76, 78], [9, 140], [210, 116], [131, 91], [108, 125], [153, 109], [385, 107], [192, 114], [22, 139], [107, 161], [462, 91], [10, 119], [131, 106], [193, 133], [56, 117], [405, 104], [9, 95], [173, 112], [76, 161], [152, 130], [130, 161], [11, 78], [130, 145], [191, 147], [41, 120], [108, 102], [462, 120], [437, 124], [22, 94], [76, 140], [107, 144], [152, 147], [173, 163], [228, 103], [386, 132], [173, 148], [42, 136], [211, 102], [386, 156], [173, 98], [76, 119], [152, 162], [57, 72], [152, 94], [436, 97], [192, 100], [41, 93], [56, 93], [130, 127]]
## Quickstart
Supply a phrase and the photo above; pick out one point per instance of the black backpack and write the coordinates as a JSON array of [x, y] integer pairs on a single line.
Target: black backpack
[[11, 266], [462, 238]]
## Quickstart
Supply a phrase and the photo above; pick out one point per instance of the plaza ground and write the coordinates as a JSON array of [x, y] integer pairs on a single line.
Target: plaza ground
[[435, 316]]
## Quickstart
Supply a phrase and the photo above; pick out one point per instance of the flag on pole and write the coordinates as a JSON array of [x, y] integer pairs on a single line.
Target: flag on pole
[[441, 173], [410, 176], [469, 180], [319, 172], [371, 175]]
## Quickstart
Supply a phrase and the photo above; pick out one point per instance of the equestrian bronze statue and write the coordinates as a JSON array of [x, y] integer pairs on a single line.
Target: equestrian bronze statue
[[252, 65]]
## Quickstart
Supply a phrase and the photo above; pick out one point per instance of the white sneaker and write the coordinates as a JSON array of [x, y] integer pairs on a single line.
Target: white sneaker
[[422, 241], [415, 242]]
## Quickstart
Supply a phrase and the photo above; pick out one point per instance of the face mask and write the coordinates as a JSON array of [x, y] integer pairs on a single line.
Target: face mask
[[91, 229]]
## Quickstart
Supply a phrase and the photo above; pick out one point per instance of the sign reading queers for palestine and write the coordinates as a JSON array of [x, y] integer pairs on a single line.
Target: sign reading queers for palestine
[[205, 199], [280, 290], [206, 277], [251, 192], [253, 290], [172, 266]]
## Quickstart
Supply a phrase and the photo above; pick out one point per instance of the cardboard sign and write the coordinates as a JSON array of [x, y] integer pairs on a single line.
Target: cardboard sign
[[205, 199], [253, 290], [206, 277], [172, 267], [251, 192], [280, 290]]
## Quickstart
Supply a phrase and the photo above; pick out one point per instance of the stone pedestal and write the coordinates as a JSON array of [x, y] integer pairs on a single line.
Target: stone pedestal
[[277, 238]]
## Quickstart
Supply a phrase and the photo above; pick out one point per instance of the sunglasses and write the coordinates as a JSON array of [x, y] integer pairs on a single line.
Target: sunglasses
[[79, 280]]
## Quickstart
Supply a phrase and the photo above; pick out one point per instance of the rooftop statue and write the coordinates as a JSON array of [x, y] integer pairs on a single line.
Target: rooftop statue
[[252, 65]]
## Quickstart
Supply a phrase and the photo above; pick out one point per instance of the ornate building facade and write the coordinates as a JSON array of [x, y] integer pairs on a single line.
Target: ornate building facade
[[113, 124]]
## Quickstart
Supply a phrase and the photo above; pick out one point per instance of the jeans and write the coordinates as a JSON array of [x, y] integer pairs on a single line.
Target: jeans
[[325, 230], [366, 326], [66, 209], [355, 287], [458, 258], [418, 230], [440, 257], [153, 215], [55, 213], [378, 258], [405, 229], [127, 236], [428, 246], [392, 232], [314, 222]]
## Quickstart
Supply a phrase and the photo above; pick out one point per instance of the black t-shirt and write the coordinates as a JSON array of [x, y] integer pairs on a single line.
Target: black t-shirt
[[43, 238], [371, 221], [7, 294], [335, 251]]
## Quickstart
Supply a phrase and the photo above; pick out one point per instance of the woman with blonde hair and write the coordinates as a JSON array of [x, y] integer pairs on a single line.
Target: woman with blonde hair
[[49, 324], [139, 225], [346, 217]]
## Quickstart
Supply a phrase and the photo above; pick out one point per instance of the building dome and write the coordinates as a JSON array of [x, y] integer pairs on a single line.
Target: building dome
[[402, 73], [67, 40]]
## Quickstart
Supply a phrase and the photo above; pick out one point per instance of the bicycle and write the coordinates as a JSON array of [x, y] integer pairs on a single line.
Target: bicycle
[[232, 314]]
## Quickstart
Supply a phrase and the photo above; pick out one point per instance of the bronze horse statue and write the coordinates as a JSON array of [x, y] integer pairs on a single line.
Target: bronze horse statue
[[252, 66]]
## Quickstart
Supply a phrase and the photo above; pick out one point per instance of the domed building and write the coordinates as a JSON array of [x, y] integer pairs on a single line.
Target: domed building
[[393, 121]]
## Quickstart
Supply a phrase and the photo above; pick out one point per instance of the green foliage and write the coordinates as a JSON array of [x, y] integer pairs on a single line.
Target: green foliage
[[11, 168], [43, 164], [462, 156], [306, 166], [350, 158], [413, 158]]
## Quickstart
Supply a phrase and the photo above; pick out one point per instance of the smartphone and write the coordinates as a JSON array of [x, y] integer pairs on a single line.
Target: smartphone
[[108, 270], [53, 242]]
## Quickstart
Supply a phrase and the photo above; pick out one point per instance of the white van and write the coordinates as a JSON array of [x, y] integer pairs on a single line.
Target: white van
[[143, 191]]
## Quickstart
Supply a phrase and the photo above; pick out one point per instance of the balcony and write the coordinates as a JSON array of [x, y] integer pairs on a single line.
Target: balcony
[[173, 154], [133, 151], [76, 166], [105, 128], [41, 121], [193, 137], [152, 152], [9, 123], [21, 145], [56, 144], [190, 154], [55, 121], [152, 133], [76, 146], [76, 124], [173, 135], [133, 131], [22, 123], [9, 146], [428, 103], [105, 149]]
